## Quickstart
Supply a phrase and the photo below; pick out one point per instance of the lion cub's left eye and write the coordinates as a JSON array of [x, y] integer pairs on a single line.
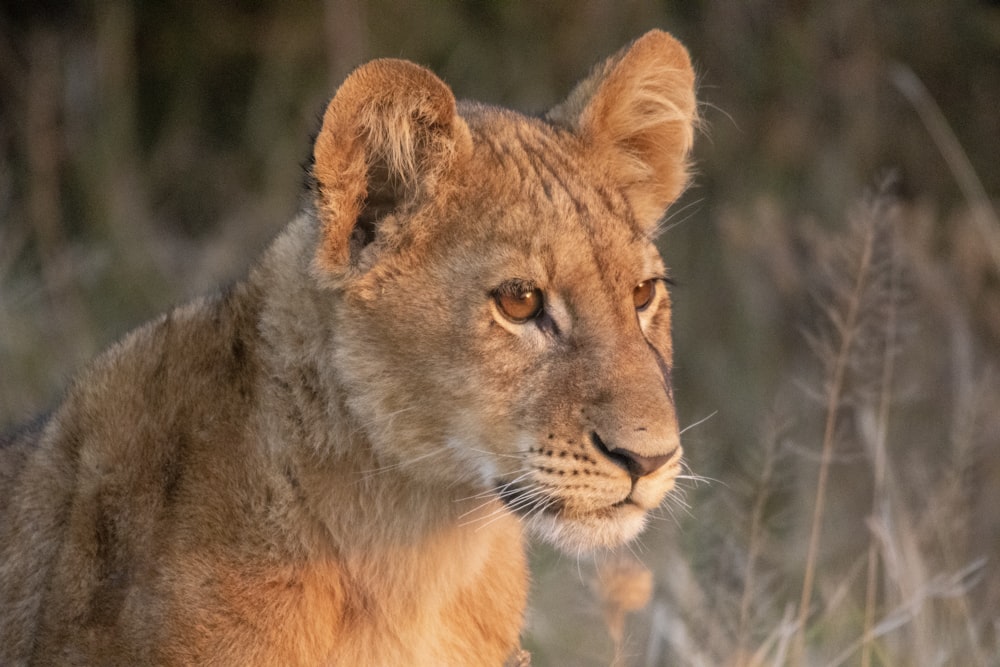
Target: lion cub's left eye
[[519, 303], [643, 294]]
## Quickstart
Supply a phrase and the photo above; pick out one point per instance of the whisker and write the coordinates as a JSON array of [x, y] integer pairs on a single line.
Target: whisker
[[665, 514], [698, 479], [697, 423], [401, 464], [716, 107], [520, 455], [381, 419], [488, 493], [493, 496], [504, 508], [631, 546], [539, 509], [528, 499], [671, 220], [673, 503], [499, 514], [679, 501], [476, 509]]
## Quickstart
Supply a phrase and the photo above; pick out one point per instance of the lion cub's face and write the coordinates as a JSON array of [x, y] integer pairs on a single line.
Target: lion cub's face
[[505, 326]]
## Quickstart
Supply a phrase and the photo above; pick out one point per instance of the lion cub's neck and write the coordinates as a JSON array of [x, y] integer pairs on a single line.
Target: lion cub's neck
[[392, 532]]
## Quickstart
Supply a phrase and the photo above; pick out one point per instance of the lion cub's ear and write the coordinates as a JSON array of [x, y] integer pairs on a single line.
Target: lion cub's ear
[[637, 111], [389, 135]]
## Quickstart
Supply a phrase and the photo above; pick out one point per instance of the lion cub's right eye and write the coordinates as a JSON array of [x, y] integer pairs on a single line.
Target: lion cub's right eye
[[643, 294], [518, 301]]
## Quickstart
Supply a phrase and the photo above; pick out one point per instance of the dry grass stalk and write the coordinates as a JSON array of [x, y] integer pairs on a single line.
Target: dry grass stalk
[[755, 539], [846, 325], [880, 454]]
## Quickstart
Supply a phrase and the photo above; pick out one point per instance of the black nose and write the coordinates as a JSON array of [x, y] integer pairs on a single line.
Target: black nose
[[636, 464]]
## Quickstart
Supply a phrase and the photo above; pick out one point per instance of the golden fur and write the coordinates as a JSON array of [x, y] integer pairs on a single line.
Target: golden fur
[[332, 462]]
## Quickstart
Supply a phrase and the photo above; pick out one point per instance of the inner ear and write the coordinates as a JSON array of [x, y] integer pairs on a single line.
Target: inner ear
[[385, 193]]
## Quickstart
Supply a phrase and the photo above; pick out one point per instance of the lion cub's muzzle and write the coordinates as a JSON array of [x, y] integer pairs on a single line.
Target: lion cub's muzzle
[[585, 493]]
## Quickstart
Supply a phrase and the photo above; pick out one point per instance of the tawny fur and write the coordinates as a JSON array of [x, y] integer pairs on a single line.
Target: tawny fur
[[332, 462]]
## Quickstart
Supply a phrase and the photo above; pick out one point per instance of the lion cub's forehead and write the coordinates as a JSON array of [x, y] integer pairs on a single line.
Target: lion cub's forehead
[[548, 200], [528, 158]]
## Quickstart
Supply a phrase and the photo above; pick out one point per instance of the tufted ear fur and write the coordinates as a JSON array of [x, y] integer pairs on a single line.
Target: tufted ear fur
[[388, 136], [637, 112]]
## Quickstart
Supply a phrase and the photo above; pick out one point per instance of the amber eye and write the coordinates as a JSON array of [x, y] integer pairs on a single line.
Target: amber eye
[[643, 294], [519, 303]]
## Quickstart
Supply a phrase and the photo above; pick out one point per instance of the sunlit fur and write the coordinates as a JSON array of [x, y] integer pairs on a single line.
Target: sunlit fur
[[332, 461]]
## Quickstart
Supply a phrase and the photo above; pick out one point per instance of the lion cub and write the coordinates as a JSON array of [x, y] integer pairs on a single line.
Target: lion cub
[[464, 333]]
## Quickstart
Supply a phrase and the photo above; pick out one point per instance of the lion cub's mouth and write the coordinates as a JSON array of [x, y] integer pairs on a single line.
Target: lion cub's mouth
[[526, 501]]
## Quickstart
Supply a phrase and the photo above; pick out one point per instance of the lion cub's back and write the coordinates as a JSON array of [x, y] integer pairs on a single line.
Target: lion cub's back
[[14, 449], [91, 493], [34, 494]]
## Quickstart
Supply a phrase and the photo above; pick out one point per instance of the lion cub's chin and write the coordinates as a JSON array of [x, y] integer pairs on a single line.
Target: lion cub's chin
[[605, 529]]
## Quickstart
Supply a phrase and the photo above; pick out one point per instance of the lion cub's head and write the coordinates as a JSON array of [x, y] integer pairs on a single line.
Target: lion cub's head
[[502, 316]]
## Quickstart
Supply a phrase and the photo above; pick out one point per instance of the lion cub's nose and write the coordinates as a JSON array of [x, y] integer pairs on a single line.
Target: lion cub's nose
[[637, 465]]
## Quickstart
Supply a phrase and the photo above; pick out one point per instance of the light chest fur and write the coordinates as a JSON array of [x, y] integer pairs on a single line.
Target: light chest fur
[[464, 334]]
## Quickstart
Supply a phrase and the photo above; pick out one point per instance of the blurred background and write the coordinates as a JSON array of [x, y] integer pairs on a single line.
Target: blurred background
[[837, 257]]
